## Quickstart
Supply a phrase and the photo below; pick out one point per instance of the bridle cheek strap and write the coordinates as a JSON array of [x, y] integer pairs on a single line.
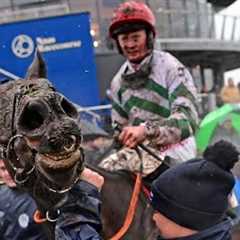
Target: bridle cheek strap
[[21, 175]]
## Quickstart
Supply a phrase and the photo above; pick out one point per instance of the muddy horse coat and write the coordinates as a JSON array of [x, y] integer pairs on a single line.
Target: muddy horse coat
[[39, 137]]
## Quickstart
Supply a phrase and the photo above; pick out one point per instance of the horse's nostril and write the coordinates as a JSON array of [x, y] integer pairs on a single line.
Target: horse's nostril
[[70, 143]]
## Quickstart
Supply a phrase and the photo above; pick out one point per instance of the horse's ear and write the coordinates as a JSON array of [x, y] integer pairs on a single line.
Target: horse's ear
[[38, 68]]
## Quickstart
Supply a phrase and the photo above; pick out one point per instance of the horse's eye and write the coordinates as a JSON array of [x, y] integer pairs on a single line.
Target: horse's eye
[[33, 116], [69, 108]]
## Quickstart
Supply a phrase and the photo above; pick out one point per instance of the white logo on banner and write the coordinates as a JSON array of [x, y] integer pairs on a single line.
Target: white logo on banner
[[22, 46], [50, 44]]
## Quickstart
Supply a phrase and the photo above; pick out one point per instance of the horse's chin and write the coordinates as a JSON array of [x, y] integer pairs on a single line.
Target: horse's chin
[[59, 170], [57, 162]]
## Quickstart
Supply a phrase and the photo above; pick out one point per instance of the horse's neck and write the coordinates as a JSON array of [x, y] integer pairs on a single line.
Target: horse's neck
[[116, 196]]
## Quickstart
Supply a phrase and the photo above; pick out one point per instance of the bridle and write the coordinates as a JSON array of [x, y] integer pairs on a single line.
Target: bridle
[[21, 174]]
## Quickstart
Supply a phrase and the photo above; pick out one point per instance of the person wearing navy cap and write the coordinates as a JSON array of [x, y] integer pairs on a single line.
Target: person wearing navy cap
[[191, 199]]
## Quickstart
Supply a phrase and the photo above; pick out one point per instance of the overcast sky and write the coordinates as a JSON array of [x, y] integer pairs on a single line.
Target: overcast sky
[[233, 9]]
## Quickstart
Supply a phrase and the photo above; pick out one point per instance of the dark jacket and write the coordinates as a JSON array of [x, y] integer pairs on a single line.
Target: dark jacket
[[80, 216], [79, 219], [220, 231], [16, 211]]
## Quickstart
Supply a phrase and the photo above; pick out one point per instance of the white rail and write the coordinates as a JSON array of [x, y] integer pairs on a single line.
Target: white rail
[[8, 74], [36, 12]]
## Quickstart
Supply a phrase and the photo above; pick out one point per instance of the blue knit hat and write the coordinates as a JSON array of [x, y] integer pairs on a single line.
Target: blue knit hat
[[195, 193]]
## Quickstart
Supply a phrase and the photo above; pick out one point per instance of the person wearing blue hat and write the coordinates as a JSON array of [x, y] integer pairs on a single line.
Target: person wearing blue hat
[[191, 199]]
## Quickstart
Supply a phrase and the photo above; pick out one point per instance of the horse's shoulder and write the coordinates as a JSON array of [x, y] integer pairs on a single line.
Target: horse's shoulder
[[114, 175]]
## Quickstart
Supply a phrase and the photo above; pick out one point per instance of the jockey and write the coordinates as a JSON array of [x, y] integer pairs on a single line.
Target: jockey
[[153, 95], [199, 213]]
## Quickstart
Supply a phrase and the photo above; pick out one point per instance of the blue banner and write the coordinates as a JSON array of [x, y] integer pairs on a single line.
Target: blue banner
[[66, 45]]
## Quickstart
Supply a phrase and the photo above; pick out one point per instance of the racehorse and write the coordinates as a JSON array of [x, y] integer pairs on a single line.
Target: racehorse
[[40, 142]]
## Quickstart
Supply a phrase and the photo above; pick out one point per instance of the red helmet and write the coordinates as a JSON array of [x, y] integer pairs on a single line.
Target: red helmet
[[132, 12]]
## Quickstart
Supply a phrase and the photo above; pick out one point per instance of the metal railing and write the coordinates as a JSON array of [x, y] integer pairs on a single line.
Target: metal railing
[[172, 24], [227, 27], [8, 74], [97, 115], [185, 24], [32, 13]]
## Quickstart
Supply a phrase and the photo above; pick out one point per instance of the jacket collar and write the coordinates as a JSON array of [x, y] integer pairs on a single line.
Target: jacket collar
[[219, 231], [131, 68]]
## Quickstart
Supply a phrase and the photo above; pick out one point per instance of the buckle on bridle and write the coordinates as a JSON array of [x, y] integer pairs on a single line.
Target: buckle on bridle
[[51, 216], [22, 177]]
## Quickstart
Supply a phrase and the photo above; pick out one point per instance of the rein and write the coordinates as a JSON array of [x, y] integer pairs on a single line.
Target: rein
[[133, 203], [131, 210], [137, 189]]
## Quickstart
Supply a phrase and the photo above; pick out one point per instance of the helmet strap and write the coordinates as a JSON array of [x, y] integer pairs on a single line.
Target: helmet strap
[[150, 39]]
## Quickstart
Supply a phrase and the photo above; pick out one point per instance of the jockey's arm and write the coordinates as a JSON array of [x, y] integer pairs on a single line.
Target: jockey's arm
[[181, 123], [183, 120]]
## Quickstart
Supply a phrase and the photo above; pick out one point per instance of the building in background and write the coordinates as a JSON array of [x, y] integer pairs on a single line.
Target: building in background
[[193, 30]]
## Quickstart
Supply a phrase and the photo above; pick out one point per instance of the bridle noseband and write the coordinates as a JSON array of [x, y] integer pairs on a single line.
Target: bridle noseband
[[21, 174]]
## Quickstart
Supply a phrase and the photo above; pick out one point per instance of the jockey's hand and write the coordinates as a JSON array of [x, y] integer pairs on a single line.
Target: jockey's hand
[[132, 135]]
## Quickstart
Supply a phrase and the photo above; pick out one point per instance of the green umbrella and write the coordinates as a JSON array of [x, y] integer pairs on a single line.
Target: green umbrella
[[213, 119]]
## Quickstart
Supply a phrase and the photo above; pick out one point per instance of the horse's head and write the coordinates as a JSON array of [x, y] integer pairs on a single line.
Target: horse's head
[[39, 135]]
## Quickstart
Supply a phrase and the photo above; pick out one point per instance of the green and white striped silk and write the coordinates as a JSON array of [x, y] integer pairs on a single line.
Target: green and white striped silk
[[168, 98]]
